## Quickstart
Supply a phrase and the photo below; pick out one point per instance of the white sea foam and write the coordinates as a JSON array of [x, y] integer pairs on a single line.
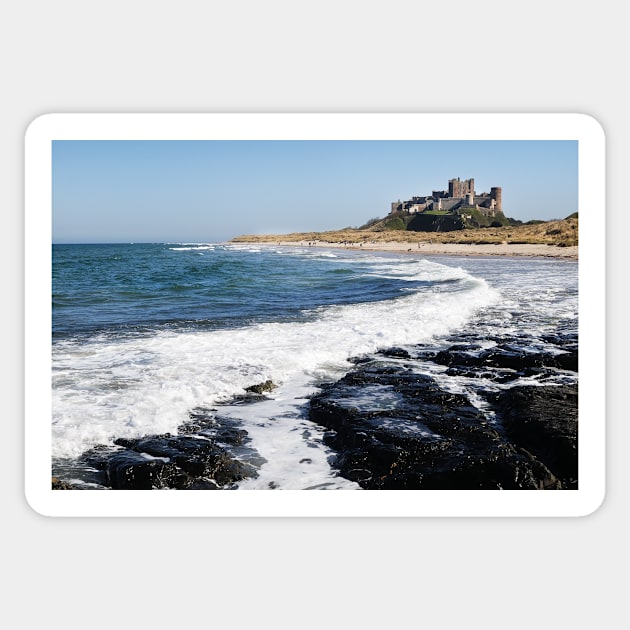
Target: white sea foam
[[104, 389], [192, 248], [296, 458]]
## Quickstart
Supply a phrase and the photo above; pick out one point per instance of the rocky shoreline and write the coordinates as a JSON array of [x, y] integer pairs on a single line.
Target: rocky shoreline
[[390, 424], [396, 429], [208, 453]]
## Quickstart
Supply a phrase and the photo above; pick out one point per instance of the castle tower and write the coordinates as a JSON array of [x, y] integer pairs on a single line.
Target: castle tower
[[459, 189], [453, 187], [495, 193]]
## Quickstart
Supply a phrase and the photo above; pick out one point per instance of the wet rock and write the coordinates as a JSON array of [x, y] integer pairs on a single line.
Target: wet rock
[[390, 425], [544, 421], [203, 484], [176, 462], [395, 429], [128, 470], [208, 454], [58, 484], [399, 353], [206, 423], [261, 388], [506, 357]]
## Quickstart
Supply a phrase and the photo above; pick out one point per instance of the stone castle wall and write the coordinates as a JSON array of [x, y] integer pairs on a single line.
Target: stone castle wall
[[460, 193]]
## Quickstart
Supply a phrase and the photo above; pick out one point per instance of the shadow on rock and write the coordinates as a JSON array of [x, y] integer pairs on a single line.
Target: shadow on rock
[[393, 428]]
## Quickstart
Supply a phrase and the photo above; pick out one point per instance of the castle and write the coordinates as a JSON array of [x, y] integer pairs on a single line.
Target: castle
[[459, 197]]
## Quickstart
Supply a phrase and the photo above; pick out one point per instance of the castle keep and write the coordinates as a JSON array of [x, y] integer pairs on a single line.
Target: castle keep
[[459, 197]]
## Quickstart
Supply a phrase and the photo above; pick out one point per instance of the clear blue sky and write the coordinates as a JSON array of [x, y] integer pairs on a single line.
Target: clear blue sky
[[202, 191]]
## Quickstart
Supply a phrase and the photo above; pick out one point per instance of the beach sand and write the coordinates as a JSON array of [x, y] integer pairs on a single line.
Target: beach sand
[[444, 249]]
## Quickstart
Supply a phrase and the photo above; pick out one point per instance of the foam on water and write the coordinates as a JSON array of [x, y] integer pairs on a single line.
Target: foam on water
[[189, 248], [292, 446], [123, 387]]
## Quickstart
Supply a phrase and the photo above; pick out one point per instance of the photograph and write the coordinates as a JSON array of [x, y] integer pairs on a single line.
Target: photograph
[[314, 314]]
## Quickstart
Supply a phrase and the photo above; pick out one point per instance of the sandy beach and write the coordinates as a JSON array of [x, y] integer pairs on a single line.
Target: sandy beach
[[450, 249]]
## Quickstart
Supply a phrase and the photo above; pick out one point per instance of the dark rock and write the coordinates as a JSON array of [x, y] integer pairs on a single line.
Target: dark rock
[[568, 360], [209, 453], [261, 388], [98, 456], [360, 359], [389, 426], [544, 421], [128, 470], [229, 435], [395, 429], [509, 360], [207, 424], [399, 353], [203, 484], [497, 375], [169, 446], [173, 461], [58, 484]]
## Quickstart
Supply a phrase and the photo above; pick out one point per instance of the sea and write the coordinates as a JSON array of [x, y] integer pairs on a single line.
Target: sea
[[143, 334]]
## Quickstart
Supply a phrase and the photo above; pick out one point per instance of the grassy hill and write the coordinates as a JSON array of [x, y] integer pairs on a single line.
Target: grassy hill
[[563, 233], [441, 221]]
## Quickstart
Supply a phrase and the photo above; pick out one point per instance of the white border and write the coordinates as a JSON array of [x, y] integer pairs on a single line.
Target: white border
[[410, 503]]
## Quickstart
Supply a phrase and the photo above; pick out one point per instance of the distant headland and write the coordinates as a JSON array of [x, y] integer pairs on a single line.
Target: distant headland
[[453, 221], [457, 208]]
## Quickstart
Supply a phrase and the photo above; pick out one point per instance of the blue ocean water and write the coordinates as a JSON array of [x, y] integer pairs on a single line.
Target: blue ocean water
[[147, 287], [145, 333]]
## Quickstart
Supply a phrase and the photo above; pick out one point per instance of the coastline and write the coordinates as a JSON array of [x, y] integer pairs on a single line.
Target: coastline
[[372, 427], [532, 250]]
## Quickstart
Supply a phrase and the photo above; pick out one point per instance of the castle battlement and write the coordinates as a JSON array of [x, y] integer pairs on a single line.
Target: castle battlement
[[459, 196]]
